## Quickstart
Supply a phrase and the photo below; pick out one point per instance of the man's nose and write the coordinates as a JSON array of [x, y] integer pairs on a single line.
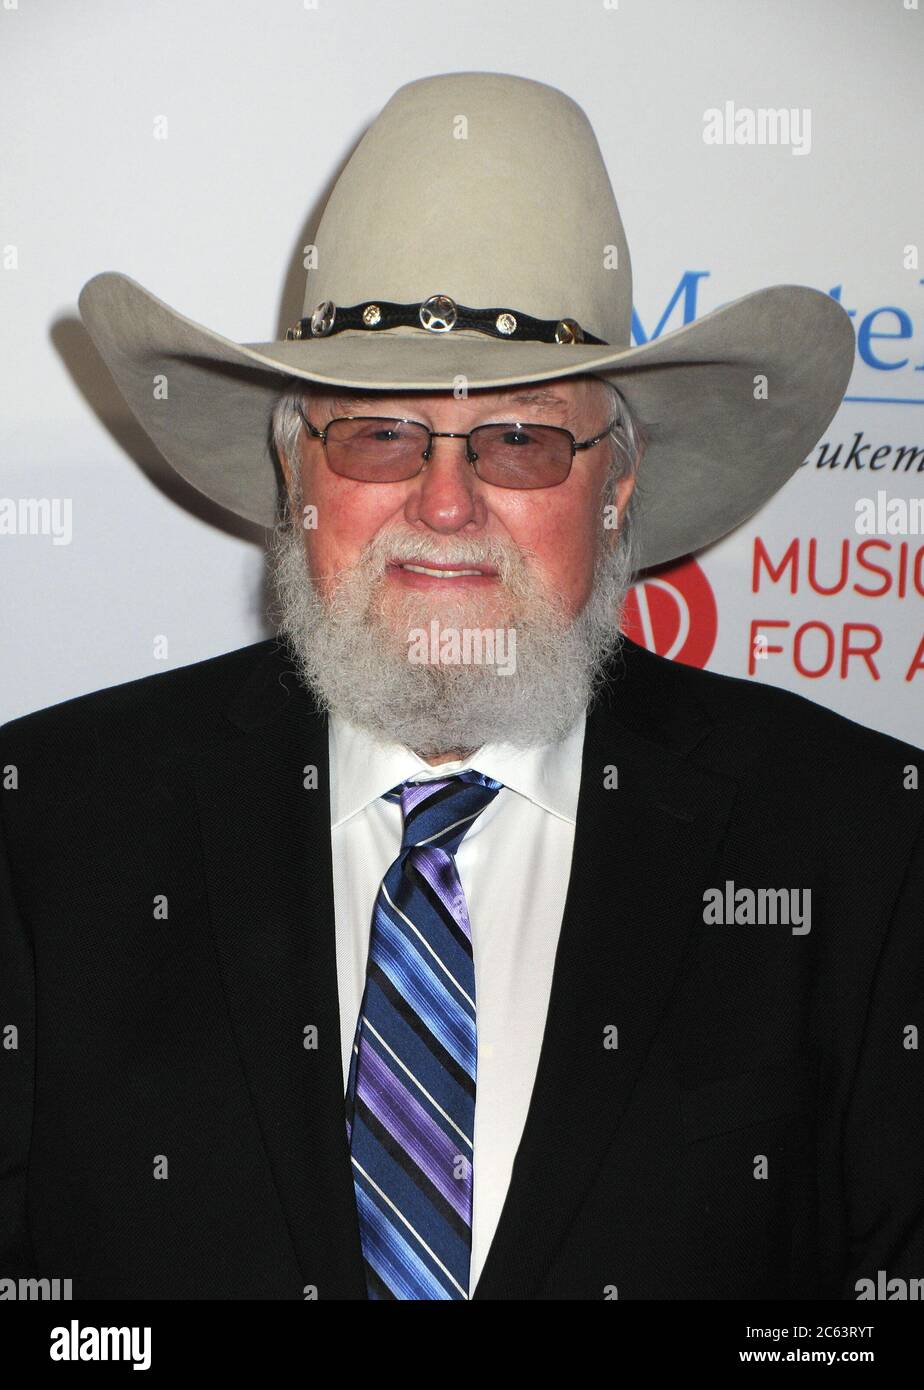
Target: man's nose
[[446, 494]]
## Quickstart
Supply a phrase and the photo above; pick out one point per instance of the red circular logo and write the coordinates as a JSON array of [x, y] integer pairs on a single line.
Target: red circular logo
[[672, 612]]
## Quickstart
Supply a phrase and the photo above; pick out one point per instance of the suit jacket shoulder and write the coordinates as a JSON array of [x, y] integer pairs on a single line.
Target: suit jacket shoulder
[[749, 730], [162, 718]]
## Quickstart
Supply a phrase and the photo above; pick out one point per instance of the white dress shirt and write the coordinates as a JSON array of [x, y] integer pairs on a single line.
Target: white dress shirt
[[513, 864]]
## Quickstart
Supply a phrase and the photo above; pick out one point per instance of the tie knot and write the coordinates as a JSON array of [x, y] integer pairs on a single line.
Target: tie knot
[[438, 813]]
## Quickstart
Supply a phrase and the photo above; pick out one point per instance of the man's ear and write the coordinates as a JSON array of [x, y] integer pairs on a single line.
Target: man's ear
[[289, 477], [624, 490], [286, 469]]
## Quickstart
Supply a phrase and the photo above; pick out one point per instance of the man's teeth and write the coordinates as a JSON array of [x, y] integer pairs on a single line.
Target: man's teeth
[[439, 574]]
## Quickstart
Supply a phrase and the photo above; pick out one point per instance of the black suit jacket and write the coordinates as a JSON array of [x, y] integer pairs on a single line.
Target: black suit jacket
[[756, 1133]]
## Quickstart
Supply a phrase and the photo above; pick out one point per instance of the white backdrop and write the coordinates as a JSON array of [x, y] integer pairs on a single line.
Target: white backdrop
[[264, 103]]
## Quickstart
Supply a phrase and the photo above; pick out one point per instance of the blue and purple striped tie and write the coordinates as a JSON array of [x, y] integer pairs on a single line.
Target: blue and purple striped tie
[[411, 1091]]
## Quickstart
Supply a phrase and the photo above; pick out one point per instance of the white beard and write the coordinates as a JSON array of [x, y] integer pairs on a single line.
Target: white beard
[[351, 646]]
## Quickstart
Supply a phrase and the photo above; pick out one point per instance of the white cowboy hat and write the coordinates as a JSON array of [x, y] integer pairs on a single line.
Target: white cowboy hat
[[474, 236]]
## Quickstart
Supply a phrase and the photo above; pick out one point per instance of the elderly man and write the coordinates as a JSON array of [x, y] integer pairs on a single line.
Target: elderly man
[[449, 945]]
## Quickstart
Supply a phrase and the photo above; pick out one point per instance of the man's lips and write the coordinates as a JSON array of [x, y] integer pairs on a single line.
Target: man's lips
[[417, 574]]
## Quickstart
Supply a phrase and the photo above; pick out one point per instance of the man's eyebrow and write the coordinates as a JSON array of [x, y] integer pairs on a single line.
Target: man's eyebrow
[[538, 396]]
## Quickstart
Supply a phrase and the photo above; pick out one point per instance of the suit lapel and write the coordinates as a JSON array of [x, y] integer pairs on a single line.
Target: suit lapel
[[641, 857], [267, 858]]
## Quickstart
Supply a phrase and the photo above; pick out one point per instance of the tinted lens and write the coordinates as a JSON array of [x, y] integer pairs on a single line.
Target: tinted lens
[[376, 450], [522, 455]]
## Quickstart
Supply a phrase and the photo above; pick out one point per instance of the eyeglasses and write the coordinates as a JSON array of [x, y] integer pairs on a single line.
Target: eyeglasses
[[375, 449]]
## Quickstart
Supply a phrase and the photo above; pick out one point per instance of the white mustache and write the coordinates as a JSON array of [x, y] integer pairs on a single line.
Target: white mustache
[[507, 558]]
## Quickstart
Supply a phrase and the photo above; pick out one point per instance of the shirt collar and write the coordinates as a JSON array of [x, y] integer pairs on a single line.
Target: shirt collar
[[364, 768]]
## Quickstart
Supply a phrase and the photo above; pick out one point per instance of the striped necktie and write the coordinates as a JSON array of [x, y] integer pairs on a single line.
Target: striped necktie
[[411, 1091]]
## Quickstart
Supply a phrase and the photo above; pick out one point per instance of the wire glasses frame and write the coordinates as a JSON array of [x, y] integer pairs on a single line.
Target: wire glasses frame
[[545, 431]]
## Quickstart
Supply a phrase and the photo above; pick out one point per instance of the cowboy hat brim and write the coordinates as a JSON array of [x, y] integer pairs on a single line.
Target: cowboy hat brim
[[720, 444]]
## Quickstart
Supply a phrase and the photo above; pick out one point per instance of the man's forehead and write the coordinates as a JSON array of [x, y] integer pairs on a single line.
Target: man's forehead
[[555, 397]]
